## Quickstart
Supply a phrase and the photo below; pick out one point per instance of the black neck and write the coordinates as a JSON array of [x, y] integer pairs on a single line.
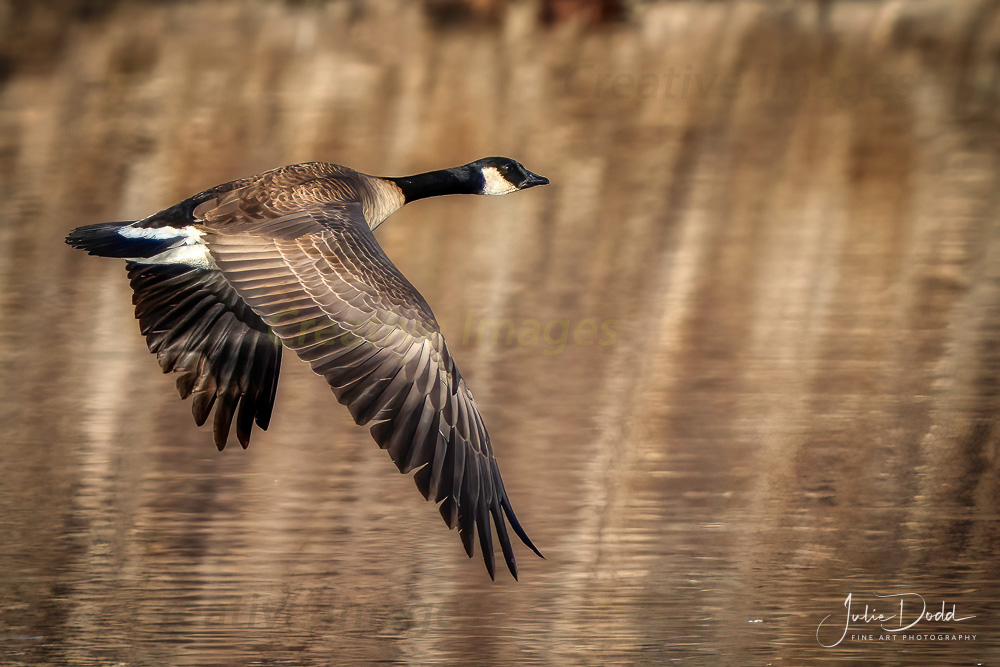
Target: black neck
[[454, 181]]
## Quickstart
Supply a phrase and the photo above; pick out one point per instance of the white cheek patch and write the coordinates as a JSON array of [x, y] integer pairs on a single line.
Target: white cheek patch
[[495, 183]]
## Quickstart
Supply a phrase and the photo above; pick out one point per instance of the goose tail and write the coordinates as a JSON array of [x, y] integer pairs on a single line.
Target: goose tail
[[124, 240]]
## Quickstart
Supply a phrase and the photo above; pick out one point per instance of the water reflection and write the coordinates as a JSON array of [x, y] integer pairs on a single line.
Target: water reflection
[[799, 401]]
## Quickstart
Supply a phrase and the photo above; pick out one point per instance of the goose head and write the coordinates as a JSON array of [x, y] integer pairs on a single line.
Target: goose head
[[488, 176], [502, 175]]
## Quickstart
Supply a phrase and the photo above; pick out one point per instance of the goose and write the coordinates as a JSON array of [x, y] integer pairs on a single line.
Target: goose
[[287, 258]]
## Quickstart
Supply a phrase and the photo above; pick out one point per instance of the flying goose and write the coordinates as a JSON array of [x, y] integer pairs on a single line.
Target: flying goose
[[225, 278]]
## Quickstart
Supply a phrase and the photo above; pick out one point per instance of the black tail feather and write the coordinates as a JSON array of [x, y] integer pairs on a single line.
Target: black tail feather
[[104, 240]]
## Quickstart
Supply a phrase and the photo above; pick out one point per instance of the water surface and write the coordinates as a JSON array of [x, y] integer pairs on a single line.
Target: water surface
[[738, 361]]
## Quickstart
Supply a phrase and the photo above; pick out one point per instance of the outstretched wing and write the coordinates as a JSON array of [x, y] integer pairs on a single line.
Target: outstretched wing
[[320, 281], [197, 326], [193, 321]]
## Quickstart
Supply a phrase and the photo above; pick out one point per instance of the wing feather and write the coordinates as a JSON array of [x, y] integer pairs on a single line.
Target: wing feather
[[320, 281], [223, 353]]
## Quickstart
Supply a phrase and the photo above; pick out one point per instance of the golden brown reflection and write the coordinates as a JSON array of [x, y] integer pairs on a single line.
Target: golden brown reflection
[[781, 222]]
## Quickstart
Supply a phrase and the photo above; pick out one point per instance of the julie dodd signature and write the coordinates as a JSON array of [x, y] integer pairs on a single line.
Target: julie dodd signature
[[911, 612]]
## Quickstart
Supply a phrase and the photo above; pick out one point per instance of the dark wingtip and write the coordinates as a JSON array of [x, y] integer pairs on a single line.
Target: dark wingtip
[[486, 540], [224, 411], [508, 510], [220, 430], [422, 478], [185, 384], [244, 422], [467, 539], [505, 546], [201, 405], [511, 563], [448, 512]]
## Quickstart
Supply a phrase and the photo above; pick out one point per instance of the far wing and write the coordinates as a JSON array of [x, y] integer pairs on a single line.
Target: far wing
[[198, 327]]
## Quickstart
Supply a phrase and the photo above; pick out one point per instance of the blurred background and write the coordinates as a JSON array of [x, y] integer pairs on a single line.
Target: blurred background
[[738, 361]]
